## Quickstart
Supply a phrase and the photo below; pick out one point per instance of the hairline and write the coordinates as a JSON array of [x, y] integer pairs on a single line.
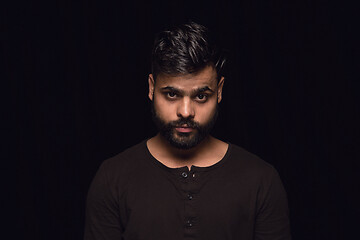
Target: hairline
[[218, 76]]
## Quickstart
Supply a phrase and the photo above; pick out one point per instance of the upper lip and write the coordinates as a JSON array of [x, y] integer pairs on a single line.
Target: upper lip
[[184, 126]]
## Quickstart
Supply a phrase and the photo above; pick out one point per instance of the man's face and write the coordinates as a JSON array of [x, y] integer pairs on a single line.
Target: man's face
[[185, 106]]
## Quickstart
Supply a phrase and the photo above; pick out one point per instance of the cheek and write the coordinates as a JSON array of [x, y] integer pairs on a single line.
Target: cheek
[[203, 114], [164, 109]]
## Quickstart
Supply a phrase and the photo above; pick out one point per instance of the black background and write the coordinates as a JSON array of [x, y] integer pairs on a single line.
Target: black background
[[78, 95]]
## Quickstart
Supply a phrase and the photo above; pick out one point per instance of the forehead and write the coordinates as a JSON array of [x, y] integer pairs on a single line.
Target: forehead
[[205, 77]]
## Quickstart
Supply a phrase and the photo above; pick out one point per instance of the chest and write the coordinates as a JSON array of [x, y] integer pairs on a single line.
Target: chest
[[190, 201]]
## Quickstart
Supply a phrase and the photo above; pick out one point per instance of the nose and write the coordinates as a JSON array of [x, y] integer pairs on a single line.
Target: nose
[[185, 108]]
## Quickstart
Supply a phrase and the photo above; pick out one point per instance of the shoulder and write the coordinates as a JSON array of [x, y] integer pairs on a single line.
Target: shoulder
[[115, 173], [125, 162], [248, 164], [252, 173]]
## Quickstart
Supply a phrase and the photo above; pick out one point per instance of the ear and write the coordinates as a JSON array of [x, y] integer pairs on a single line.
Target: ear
[[151, 86], [219, 89]]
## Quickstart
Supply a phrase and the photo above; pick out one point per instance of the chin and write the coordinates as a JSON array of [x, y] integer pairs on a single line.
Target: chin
[[184, 141]]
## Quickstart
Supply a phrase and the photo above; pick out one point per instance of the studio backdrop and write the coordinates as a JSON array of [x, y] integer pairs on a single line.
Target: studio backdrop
[[78, 95]]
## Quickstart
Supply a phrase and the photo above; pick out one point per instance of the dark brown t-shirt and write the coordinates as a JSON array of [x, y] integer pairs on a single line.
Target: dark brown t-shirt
[[135, 197]]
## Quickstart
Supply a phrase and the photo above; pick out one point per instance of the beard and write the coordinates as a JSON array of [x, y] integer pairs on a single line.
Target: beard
[[184, 140]]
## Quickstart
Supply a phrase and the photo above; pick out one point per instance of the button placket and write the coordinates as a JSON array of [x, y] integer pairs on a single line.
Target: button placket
[[190, 214]]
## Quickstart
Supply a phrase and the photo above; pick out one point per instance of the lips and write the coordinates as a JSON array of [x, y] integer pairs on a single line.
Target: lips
[[184, 129]]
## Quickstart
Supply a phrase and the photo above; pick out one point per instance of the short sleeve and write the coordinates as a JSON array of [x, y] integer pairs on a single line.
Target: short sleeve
[[272, 220], [102, 212]]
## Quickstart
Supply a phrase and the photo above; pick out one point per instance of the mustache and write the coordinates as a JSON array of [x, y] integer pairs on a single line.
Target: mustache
[[184, 121]]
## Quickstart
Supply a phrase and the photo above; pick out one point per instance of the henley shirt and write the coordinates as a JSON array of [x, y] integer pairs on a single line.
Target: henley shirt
[[135, 197]]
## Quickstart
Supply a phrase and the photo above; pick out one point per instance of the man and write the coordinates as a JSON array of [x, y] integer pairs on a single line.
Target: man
[[183, 183]]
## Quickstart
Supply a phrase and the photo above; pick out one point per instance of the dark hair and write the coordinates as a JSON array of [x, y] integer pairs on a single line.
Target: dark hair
[[185, 49]]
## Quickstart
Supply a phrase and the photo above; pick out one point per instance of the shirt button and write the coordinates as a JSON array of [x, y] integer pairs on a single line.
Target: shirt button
[[189, 223], [190, 196], [184, 174]]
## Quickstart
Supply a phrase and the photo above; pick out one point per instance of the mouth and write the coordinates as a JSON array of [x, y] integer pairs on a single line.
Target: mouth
[[184, 129]]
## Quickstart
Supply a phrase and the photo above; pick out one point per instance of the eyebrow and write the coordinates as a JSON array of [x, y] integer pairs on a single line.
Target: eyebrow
[[198, 90]]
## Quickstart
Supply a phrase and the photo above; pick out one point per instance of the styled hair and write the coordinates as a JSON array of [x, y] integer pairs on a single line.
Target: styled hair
[[185, 49]]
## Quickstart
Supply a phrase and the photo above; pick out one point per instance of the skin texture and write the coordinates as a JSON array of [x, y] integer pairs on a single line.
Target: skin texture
[[190, 96]]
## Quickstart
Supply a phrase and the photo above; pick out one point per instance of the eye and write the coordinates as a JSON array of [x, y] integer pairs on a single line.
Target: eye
[[201, 97], [171, 94]]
